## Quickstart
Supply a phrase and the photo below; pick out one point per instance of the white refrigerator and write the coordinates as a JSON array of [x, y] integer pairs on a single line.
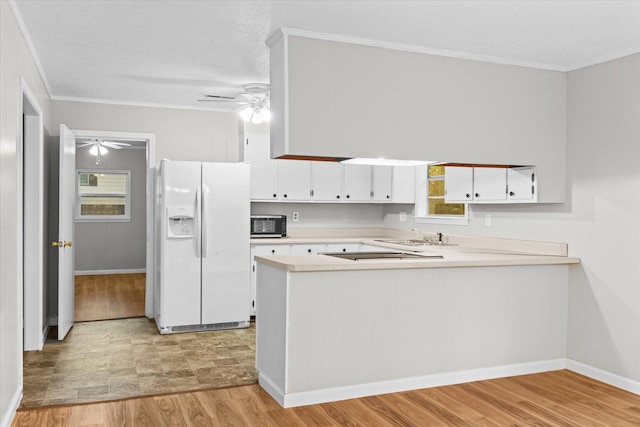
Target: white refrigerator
[[203, 274]]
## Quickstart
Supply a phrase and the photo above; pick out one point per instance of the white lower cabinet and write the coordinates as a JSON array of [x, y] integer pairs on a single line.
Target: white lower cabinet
[[262, 250], [343, 247], [307, 249], [299, 249]]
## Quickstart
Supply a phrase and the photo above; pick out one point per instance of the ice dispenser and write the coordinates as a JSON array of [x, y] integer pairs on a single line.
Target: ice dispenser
[[181, 222]]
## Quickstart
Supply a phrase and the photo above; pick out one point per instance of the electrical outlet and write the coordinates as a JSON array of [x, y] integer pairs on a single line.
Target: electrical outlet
[[403, 216], [487, 220], [296, 216]]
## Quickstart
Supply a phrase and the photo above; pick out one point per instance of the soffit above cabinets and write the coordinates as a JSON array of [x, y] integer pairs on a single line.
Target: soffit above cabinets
[[171, 53]]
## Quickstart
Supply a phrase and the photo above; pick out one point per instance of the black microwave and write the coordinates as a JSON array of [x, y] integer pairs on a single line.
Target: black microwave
[[268, 226]]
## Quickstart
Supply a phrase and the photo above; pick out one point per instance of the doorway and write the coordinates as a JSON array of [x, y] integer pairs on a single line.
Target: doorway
[[92, 271], [110, 227], [35, 318]]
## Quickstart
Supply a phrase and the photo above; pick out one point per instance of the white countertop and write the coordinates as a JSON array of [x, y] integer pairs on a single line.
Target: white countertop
[[453, 256]]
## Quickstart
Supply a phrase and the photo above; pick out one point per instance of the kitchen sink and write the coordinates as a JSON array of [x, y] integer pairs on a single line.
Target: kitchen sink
[[358, 256], [412, 242]]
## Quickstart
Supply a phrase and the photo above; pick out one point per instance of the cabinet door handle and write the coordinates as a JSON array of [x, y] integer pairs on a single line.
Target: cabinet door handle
[[273, 251], [337, 197], [388, 197], [285, 196], [511, 193], [348, 196], [275, 195], [309, 250], [477, 195], [467, 195]]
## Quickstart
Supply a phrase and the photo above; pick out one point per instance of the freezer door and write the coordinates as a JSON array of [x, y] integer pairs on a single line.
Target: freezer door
[[179, 287], [225, 248]]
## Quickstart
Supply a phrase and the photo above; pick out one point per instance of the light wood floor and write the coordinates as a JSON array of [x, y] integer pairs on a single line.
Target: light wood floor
[[109, 296], [560, 398]]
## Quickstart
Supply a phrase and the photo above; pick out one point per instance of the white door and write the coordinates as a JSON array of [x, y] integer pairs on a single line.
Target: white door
[[521, 183], [226, 258], [326, 181], [180, 244], [458, 184], [381, 183], [489, 184], [264, 170], [67, 199], [357, 182], [294, 179]]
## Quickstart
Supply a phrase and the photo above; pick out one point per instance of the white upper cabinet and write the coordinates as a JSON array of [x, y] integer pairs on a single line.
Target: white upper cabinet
[[403, 184], [294, 180], [381, 183], [458, 184], [521, 184], [264, 170], [489, 184], [356, 183], [327, 100], [326, 181]]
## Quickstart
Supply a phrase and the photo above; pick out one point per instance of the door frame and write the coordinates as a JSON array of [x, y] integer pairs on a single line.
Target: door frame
[[150, 140], [31, 191]]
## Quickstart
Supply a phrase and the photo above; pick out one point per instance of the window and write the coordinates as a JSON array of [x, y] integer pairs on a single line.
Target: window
[[431, 206], [103, 195]]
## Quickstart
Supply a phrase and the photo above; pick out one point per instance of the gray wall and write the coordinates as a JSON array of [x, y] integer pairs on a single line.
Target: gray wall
[[115, 245], [15, 62], [600, 220], [180, 134]]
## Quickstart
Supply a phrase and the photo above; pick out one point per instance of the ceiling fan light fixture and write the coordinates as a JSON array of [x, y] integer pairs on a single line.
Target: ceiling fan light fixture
[[246, 113]]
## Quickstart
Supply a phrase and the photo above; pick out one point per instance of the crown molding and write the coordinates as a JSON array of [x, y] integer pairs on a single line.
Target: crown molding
[[140, 104], [285, 32], [603, 59], [30, 46]]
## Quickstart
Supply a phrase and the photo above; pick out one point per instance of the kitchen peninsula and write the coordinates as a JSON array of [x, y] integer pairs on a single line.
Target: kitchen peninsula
[[331, 328]]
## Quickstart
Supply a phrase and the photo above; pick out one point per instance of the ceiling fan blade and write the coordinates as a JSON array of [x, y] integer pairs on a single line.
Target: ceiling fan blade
[[86, 144], [239, 101], [220, 97]]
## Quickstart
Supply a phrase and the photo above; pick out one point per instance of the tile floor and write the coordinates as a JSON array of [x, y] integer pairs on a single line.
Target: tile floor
[[115, 359]]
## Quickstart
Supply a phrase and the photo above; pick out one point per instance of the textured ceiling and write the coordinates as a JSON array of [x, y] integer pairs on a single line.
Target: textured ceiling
[[171, 52]]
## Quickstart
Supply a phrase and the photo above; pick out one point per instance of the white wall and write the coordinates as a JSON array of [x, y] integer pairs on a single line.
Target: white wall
[[15, 61], [115, 245], [600, 220], [180, 134]]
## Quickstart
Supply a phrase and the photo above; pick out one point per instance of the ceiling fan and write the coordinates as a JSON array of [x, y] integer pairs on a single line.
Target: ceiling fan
[[99, 147], [253, 104]]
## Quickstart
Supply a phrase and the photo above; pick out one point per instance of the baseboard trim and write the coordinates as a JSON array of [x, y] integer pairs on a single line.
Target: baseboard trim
[[270, 387], [393, 386], [98, 272], [604, 376], [7, 417]]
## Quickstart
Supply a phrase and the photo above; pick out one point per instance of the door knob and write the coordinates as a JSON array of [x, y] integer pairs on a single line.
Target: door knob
[[57, 244], [66, 244]]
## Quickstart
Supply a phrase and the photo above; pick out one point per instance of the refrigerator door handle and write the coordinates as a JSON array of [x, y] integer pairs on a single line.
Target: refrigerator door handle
[[204, 223], [198, 223]]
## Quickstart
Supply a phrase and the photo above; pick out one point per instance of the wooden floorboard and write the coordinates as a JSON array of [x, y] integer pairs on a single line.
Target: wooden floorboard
[[556, 399], [109, 296]]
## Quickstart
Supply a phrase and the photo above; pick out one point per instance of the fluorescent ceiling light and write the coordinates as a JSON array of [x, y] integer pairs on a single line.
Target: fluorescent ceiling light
[[385, 162]]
